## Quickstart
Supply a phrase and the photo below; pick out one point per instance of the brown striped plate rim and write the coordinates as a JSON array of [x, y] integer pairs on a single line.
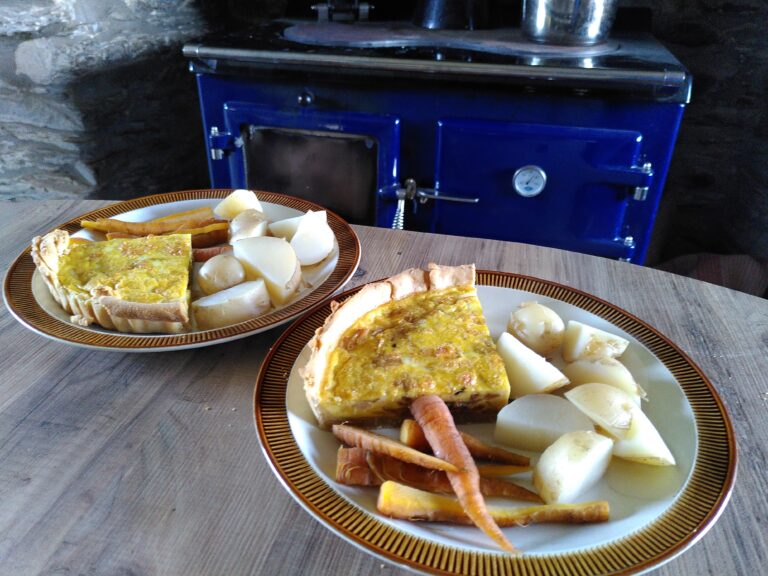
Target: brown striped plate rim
[[695, 509], [21, 302]]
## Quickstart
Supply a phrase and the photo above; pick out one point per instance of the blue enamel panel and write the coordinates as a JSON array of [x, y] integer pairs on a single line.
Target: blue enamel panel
[[583, 204], [467, 140]]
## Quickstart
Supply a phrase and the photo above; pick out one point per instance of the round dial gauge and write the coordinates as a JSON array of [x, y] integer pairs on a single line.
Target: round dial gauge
[[529, 181]]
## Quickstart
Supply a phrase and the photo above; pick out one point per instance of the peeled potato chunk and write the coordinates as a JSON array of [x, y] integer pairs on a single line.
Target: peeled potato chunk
[[247, 224], [273, 260], [287, 228], [528, 372], [586, 342], [236, 304], [616, 413], [537, 326], [608, 407], [313, 240], [571, 465], [238, 201], [606, 371], [219, 273], [535, 421]]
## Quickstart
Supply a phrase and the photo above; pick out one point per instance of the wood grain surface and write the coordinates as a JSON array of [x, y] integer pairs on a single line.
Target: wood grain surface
[[149, 464]]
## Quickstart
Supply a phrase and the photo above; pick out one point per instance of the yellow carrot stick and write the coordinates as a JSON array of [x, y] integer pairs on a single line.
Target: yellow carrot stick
[[407, 503], [204, 213], [145, 228]]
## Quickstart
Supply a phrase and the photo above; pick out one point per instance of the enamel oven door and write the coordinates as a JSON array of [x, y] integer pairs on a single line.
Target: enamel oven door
[[561, 186], [336, 159]]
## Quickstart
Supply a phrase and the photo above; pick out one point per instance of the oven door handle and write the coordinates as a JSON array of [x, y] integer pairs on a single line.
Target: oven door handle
[[426, 194], [411, 192]]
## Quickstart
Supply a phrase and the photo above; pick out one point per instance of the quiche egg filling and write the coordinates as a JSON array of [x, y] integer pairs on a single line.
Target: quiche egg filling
[[147, 270], [434, 342]]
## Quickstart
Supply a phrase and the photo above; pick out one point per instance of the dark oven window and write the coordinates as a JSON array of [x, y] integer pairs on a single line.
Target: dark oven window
[[337, 171]]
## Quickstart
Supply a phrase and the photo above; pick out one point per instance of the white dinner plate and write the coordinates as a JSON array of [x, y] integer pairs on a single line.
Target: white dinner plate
[[655, 512], [29, 300]]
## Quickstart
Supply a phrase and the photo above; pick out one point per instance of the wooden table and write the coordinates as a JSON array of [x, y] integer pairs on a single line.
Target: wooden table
[[118, 463]]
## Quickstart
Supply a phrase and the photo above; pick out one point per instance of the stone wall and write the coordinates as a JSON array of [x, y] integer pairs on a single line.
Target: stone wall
[[95, 100]]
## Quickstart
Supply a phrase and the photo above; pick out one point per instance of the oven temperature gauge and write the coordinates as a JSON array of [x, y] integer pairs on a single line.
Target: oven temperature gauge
[[529, 181]]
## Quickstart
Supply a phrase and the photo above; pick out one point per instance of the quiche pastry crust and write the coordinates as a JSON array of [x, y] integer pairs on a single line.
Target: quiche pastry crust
[[101, 304], [433, 296]]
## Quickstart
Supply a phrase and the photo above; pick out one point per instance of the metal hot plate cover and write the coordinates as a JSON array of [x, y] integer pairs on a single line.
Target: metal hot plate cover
[[636, 64], [509, 42]]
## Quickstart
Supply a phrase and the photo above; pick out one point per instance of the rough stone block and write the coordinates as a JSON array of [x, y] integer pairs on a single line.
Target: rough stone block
[[28, 16]]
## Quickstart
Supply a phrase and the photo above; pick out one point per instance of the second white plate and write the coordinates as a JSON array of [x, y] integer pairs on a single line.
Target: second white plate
[[29, 300]]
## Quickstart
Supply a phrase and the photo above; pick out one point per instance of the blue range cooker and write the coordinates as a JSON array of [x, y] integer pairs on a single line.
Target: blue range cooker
[[476, 133]]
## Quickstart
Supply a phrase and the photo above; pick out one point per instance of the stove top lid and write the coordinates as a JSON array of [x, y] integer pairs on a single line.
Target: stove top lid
[[634, 63]]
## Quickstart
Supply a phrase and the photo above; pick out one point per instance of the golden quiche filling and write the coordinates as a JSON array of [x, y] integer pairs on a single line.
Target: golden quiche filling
[[147, 270], [417, 333], [429, 342], [137, 285]]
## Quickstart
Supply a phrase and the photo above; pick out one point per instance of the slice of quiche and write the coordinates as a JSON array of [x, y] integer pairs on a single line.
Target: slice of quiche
[[419, 332], [134, 285]]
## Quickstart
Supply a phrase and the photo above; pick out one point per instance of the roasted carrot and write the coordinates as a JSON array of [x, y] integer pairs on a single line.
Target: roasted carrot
[[435, 419], [352, 468], [384, 445], [147, 228], [204, 254], [483, 451], [204, 213], [406, 503], [207, 236], [113, 235], [496, 470], [388, 468], [412, 435]]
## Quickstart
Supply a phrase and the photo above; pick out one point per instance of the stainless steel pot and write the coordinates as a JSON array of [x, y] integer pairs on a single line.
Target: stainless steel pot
[[572, 22]]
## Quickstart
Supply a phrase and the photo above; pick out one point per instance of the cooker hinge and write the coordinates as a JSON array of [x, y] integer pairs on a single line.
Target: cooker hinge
[[221, 142], [637, 178]]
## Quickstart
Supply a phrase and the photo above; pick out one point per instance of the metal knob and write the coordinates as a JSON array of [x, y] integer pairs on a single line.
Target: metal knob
[[306, 98]]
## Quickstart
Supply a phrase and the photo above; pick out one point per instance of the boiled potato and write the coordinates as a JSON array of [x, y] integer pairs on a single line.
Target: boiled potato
[[616, 413], [583, 342], [287, 228], [232, 305], [247, 224], [535, 421], [273, 260], [219, 273], [606, 371], [537, 326], [237, 201], [608, 407], [571, 465], [528, 372], [313, 240]]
